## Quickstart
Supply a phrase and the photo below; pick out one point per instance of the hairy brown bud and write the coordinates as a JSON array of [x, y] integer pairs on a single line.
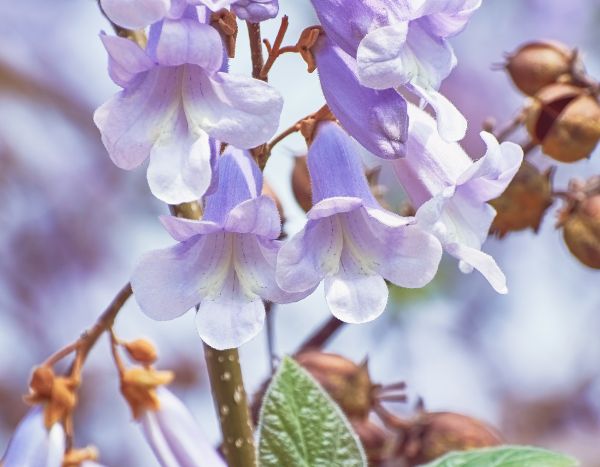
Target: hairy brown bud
[[42, 380], [434, 434], [75, 457], [538, 64], [524, 202], [301, 183], [142, 351], [138, 386], [565, 120], [346, 382], [580, 220]]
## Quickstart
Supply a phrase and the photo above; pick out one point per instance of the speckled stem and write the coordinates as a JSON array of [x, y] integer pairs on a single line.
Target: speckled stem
[[227, 385], [231, 404]]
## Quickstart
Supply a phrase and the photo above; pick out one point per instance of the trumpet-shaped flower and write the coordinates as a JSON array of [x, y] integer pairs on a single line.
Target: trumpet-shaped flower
[[175, 102], [137, 14], [377, 119], [451, 191], [175, 437], [350, 240], [33, 445], [225, 262], [402, 44]]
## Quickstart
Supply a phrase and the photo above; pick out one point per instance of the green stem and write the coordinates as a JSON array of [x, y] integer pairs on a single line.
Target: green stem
[[231, 404]]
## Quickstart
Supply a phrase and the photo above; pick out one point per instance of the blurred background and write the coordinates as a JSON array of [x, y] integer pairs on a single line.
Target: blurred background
[[72, 226]]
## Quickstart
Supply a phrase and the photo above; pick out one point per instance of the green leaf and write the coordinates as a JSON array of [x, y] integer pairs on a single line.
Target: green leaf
[[301, 426], [505, 456]]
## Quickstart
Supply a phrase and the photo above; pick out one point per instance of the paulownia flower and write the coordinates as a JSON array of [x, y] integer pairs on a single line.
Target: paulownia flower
[[377, 119], [175, 437], [175, 102], [137, 14], [402, 44], [350, 241], [225, 262], [33, 445], [451, 191]]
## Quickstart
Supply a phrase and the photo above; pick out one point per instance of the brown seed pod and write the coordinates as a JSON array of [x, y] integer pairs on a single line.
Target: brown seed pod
[[434, 434], [142, 351], [538, 64], [524, 202], [565, 120], [377, 442], [301, 183], [346, 382], [580, 220]]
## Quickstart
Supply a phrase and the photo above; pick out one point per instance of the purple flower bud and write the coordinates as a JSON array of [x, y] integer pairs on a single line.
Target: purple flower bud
[[225, 262], [350, 241], [175, 437], [376, 119], [451, 191], [256, 11], [32, 445], [176, 102]]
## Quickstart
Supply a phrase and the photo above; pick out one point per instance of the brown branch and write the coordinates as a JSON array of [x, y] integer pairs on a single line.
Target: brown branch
[[322, 335]]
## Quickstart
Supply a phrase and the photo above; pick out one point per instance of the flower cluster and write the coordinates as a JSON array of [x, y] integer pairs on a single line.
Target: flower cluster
[[197, 123]]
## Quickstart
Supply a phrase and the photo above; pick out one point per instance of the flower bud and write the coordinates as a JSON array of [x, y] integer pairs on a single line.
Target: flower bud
[[346, 382], [524, 202], [142, 351], [565, 120], [538, 64], [41, 382], [434, 434], [301, 183], [580, 220], [138, 386]]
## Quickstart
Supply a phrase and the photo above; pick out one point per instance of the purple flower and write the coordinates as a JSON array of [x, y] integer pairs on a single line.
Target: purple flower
[[451, 191], [175, 437], [225, 263], [137, 14], [174, 101], [402, 45], [350, 240], [375, 118], [32, 445]]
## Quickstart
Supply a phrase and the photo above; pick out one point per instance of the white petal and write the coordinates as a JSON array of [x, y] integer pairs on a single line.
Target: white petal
[[180, 164], [232, 317], [135, 14], [310, 255], [384, 59], [235, 109], [451, 124], [354, 295], [484, 263]]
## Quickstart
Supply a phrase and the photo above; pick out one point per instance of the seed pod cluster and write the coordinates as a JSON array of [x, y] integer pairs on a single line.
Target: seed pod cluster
[[564, 114]]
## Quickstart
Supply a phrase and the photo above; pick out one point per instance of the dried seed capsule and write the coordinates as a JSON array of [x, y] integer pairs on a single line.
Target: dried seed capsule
[[524, 202], [301, 183], [538, 64], [434, 434], [580, 220], [377, 442], [142, 351], [565, 120], [346, 382]]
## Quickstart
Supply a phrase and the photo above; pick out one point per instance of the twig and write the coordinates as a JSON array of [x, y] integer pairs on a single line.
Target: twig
[[275, 51], [323, 334]]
